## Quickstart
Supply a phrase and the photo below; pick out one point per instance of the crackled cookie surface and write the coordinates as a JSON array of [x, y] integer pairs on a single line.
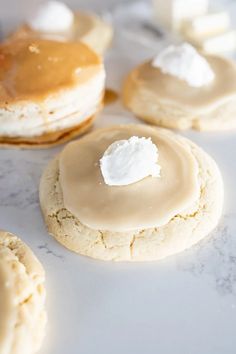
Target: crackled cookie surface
[[147, 220], [22, 297]]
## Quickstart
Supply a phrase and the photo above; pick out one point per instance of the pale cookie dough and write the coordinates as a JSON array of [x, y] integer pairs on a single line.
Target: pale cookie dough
[[180, 233], [164, 100], [22, 297]]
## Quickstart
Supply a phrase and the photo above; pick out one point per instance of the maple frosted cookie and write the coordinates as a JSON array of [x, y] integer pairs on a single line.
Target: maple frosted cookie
[[182, 89], [54, 20], [131, 193], [49, 91], [22, 297]]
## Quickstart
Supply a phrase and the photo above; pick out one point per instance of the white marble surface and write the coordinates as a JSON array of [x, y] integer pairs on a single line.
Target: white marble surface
[[183, 305]]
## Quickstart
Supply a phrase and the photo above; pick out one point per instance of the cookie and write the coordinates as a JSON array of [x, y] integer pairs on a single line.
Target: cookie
[[49, 91], [22, 297], [87, 28], [162, 99], [118, 223]]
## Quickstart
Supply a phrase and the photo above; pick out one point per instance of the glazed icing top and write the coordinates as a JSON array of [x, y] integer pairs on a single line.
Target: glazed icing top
[[34, 69], [150, 202]]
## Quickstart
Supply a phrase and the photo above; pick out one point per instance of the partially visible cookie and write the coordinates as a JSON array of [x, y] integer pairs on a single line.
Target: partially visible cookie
[[22, 297], [141, 244], [87, 28], [49, 91], [163, 99]]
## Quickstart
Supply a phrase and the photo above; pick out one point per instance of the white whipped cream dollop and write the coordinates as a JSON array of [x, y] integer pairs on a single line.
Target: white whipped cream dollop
[[51, 16], [184, 62], [129, 161]]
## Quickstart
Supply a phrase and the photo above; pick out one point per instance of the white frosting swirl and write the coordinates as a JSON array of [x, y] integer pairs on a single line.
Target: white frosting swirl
[[184, 62], [52, 16], [129, 161]]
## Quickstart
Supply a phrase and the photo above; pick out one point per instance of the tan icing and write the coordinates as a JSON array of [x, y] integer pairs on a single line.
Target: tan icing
[[170, 88], [148, 203], [34, 69]]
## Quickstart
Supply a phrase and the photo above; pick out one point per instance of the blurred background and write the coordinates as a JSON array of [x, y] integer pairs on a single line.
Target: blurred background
[[14, 11], [222, 35]]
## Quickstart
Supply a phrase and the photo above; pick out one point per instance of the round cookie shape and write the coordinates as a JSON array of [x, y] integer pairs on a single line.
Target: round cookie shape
[[87, 28], [165, 100], [182, 231], [49, 91], [22, 297]]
